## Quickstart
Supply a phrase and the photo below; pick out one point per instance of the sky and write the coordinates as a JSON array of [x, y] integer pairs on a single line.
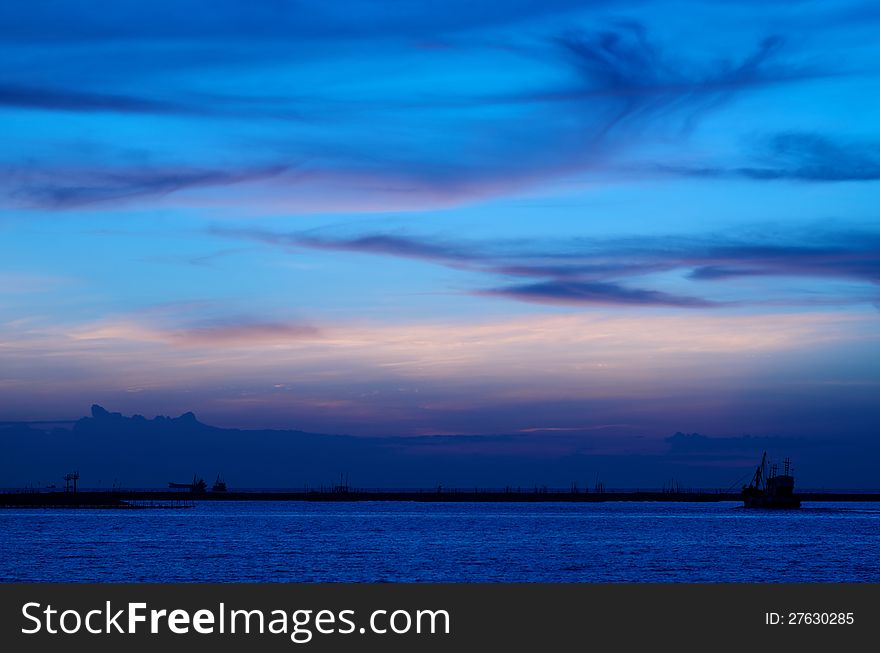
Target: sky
[[613, 222]]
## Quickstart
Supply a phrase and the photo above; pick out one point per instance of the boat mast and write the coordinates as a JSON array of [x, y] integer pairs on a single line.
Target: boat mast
[[758, 480]]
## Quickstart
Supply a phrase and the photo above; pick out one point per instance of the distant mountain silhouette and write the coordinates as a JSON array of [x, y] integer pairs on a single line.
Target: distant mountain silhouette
[[135, 451]]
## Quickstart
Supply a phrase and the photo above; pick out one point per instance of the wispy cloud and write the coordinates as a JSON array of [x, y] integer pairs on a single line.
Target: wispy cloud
[[383, 244], [594, 293], [593, 93], [70, 188], [848, 256], [583, 271], [638, 81], [218, 332], [377, 373], [797, 156], [813, 157], [60, 99], [241, 333], [241, 22]]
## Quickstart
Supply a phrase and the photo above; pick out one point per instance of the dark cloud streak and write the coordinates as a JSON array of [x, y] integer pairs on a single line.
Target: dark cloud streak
[[601, 272], [622, 85], [60, 190], [594, 293], [797, 156], [57, 99], [247, 22]]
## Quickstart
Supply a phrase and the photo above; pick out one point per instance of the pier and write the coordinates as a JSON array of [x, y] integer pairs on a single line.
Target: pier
[[131, 499], [106, 500]]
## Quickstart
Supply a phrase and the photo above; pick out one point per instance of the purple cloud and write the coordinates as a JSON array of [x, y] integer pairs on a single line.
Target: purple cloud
[[63, 189], [240, 333], [594, 293], [621, 84], [584, 272]]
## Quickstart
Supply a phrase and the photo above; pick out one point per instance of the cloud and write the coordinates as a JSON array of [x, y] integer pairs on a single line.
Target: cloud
[[812, 157], [623, 87], [799, 156], [71, 188], [389, 145], [240, 21], [584, 271], [390, 245], [49, 97], [438, 251], [228, 331], [850, 256], [593, 293], [244, 333], [640, 82], [463, 374], [56, 99]]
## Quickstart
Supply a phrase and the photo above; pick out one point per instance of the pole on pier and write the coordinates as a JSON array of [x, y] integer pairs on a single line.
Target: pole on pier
[[74, 477]]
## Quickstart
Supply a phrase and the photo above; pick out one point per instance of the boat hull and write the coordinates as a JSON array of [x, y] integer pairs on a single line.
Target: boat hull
[[772, 502]]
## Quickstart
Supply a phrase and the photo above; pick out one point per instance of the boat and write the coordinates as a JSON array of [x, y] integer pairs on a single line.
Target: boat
[[768, 489], [219, 485], [198, 485]]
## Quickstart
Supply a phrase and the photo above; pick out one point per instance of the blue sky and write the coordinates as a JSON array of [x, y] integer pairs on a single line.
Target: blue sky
[[411, 218]]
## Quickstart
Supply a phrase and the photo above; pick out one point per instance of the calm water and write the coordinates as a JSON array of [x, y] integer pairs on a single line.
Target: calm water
[[286, 542]]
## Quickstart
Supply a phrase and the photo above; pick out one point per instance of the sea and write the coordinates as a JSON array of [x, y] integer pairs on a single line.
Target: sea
[[388, 542]]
